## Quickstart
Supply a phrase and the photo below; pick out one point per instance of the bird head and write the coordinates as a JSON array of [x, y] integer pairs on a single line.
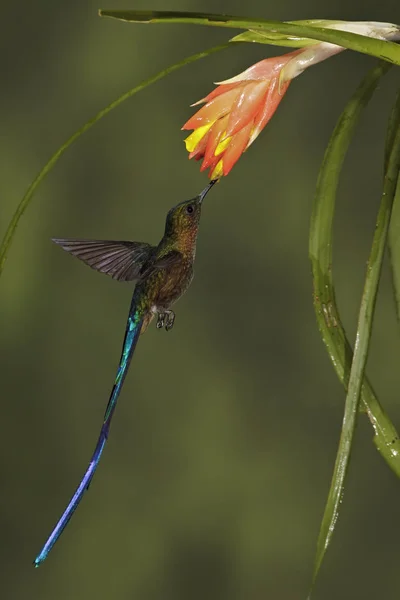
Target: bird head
[[185, 216]]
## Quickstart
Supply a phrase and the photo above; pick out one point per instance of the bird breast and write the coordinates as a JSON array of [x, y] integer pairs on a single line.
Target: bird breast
[[174, 284]]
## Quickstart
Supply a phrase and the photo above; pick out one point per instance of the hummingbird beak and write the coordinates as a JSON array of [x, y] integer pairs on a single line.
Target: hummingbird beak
[[204, 193]]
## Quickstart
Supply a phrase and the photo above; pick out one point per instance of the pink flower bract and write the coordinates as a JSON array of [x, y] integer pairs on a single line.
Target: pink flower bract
[[235, 113]]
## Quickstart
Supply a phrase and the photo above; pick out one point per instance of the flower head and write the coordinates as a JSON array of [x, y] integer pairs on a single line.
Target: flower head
[[235, 113], [237, 110]]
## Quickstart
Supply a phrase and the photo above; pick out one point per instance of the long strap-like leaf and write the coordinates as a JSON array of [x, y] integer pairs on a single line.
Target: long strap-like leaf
[[320, 250], [387, 51], [351, 370], [394, 231]]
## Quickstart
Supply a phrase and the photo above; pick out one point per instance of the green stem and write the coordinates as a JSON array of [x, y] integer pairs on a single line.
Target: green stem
[[24, 203], [365, 322], [385, 50]]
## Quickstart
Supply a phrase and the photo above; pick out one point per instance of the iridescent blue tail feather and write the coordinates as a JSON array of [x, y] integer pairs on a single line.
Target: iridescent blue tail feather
[[132, 332]]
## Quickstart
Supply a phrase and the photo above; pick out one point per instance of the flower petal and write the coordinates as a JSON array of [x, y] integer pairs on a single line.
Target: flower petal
[[236, 148], [200, 149], [264, 69], [217, 171], [221, 89], [274, 96], [213, 110], [194, 138], [217, 130], [246, 105], [222, 146]]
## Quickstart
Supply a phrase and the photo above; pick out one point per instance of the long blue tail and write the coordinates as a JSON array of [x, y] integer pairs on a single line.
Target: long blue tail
[[132, 332]]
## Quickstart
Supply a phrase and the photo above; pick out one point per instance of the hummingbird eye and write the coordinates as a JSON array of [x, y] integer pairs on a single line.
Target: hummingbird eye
[[189, 209]]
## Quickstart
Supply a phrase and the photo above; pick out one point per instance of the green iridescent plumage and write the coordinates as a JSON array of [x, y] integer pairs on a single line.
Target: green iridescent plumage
[[163, 273]]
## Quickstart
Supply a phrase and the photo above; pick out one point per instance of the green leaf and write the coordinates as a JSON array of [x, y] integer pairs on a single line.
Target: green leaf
[[394, 120], [394, 230], [278, 39], [329, 322], [321, 246], [24, 203], [274, 39], [387, 51]]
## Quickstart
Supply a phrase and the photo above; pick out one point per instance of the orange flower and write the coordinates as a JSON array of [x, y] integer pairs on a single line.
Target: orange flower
[[239, 108], [235, 113]]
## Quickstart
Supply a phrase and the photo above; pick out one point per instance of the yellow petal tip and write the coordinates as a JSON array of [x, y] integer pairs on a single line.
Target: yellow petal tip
[[222, 146], [218, 170], [194, 138]]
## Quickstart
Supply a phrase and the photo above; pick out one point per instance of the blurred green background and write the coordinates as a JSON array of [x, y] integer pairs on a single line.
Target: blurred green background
[[222, 448]]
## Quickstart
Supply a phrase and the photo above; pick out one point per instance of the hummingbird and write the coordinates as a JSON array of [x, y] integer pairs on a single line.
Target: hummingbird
[[163, 273]]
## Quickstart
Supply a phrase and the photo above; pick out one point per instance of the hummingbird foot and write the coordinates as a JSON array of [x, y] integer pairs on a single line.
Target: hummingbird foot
[[166, 319], [170, 320], [161, 320]]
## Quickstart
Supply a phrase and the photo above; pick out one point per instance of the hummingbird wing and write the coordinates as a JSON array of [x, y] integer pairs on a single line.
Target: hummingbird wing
[[132, 333], [121, 260], [155, 263]]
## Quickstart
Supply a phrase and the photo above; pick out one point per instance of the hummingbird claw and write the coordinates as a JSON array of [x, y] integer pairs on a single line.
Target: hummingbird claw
[[160, 320], [170, 320], [166, 319]]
